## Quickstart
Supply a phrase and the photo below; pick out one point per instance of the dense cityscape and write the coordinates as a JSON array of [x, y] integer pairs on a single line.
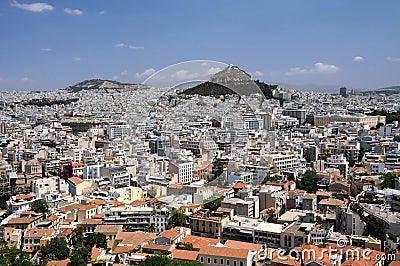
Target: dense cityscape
[[189, 133], [126, 176]]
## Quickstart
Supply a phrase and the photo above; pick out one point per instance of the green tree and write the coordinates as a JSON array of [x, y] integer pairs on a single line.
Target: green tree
[[186, 246], [98, 239], [213, 204], [77, 236], [56, 249], [14, 257], [178, 218], [309, 181], [388, 180], [272, 217], [151, 228], [76, 259], [352, 162], [40, 206]]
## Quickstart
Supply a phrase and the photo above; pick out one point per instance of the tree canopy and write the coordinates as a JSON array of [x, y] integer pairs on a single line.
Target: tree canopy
[[14, 257], [98, 239], [178, 218], [388, 180], [56, 249], [309, 181], [40, 206]]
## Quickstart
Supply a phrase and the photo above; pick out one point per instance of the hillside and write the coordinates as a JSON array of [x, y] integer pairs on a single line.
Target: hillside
[[94, 84], [231, 80]]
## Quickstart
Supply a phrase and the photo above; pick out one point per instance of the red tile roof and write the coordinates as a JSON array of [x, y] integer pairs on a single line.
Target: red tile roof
[[243, 245], [76, 180], [224, 252], [181, 254]]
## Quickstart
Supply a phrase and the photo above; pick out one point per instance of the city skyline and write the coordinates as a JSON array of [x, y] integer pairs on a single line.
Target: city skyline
[[312, 45]]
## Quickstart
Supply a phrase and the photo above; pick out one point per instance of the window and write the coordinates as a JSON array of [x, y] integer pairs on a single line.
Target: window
[[234, 263], [215, 261], [208, 260], [201, 259], [227, 262], [222, 261], [241, 263]]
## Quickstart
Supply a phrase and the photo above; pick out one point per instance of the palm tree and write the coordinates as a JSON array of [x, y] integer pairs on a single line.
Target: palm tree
[[151, 228]]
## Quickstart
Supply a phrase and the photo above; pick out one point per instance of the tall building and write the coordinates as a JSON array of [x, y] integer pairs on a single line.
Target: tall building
[[343, 92], [5, 170]]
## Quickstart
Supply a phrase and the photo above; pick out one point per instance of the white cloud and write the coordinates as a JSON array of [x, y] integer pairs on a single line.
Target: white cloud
[[213, 70], [204, 64], [102, 12], [133, 47], [76, 58], [184, 74], [73, 11], [258, 73], [358, 58], [26, 79], [146, 73], [120, 45], [124, 73], [325, 68], [318, 68], [46, 49], [393, 59], [34, 7], [296, 70]]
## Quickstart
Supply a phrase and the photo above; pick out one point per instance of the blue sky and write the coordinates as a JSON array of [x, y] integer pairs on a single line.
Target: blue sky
[[49, 44]]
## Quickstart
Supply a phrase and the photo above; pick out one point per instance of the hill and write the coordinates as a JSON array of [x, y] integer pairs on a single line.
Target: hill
[[231, 80], [94, 84]]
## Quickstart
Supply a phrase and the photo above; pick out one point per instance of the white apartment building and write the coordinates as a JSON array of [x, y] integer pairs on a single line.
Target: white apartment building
[[91, 171], [118, 131], [282, 160], [184, 169]]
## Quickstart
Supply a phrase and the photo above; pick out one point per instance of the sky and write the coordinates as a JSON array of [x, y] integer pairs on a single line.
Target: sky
[[313, 44]]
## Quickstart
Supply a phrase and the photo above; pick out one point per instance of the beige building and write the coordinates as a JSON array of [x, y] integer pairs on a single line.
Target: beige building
[[110, 231], [372, 121], [37, 237], [13, 237], [128, 194], [206, 225], [211, 255]]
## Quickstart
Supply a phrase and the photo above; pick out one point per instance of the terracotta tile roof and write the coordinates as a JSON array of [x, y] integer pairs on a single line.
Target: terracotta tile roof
[[123, 249], [109, 158], [178, 186], [22, 220], [38, 232], [224, 252], [157, 247], [87, 207], [95, 253], [171, 234], [116, 203], [323, 193], [138, 203], [181, 254], [75, 180], [332, 201], [58, 262], [52, 218], [70, 207], [135, 238], [98, 202], [66, 231], [238, 185], [24, 197], [243, 245], [199, 241]]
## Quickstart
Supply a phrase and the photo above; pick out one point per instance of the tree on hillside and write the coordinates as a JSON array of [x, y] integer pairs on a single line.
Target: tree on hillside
[[98, 239], [77, 236], [309, 181], [388, 180], [178, 218], [14, 257], [39, 206], [56, 249]]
